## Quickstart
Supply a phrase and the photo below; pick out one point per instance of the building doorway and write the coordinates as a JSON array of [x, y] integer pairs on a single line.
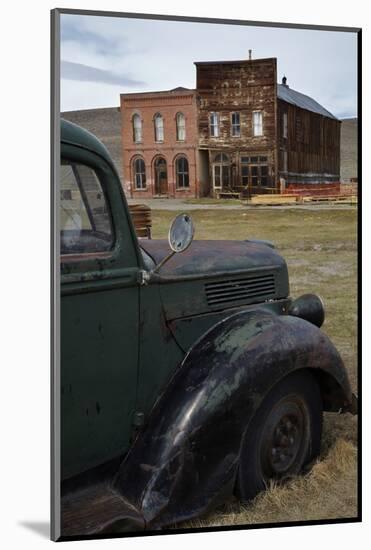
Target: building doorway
[[221, 172], [161, 183]]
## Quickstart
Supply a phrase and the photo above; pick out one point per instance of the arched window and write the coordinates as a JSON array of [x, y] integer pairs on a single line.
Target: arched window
[[223, 158], [139, 170], [137, 128], [159, 127], [182, 172], [180, 127]]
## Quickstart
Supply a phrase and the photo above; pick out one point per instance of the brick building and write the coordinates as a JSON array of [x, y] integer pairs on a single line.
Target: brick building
[[238, 131], [159, 142]]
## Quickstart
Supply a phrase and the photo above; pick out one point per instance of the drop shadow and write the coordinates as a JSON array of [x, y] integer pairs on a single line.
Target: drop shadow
[[41, 528]]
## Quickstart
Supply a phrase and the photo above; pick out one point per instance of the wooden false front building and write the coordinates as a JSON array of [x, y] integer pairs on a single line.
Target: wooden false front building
[[257, 136]]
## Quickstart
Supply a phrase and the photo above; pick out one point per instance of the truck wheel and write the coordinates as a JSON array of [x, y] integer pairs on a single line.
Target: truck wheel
[[284, 435]]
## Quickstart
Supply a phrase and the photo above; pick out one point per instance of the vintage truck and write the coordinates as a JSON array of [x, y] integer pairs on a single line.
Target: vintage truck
[[188, 373]]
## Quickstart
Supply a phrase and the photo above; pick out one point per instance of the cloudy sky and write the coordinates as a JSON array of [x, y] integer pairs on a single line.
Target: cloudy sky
[[102, 57]]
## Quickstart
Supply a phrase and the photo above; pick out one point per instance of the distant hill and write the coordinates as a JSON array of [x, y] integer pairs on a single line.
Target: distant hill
[[348, 149], [105, 123]]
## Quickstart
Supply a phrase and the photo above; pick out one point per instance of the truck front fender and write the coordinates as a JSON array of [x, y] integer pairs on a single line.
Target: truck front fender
[[186, 458]]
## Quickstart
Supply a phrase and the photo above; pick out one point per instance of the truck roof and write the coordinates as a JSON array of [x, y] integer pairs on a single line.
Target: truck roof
[[75, 135]]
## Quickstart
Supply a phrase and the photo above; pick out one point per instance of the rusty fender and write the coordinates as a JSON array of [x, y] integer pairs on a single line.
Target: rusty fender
[[185, 460]]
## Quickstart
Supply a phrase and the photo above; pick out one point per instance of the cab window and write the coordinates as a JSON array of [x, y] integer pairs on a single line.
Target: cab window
[[85, 218]]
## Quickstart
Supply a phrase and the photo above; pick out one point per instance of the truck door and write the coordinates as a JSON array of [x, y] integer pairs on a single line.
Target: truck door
[[99, 313]]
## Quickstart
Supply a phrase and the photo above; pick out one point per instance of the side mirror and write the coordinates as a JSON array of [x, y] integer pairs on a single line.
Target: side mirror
[[181, 234]]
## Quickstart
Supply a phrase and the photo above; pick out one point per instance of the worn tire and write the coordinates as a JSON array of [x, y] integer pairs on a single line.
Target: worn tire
[[283, 436]]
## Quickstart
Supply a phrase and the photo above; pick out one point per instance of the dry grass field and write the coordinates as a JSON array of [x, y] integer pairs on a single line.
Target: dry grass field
[[321, 251]]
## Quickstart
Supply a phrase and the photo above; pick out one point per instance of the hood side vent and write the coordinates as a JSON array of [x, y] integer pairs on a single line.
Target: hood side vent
[[238, 290]]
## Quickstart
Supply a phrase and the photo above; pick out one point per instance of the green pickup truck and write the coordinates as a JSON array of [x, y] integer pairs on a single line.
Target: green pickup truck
[[188, 373]]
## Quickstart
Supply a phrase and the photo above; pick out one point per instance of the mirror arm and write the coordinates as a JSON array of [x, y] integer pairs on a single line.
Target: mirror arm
[[160, 264]]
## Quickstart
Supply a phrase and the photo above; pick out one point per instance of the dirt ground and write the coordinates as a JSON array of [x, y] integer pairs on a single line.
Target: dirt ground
[[320, 247], [228, 204]]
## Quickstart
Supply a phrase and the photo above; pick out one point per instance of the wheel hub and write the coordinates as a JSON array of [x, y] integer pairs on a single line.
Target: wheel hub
[[283, 438], [285, 443]]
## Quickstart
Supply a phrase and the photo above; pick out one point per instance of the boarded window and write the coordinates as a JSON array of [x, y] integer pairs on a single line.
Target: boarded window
[[214, 125], [137, 128], [257, 123], [284, 125], [180, 127], [236, 125], [182, 173], [139, 173], [159, 127]]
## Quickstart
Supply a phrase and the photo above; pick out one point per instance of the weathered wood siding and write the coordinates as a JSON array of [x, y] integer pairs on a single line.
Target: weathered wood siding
[[244, 87], [312, 146]]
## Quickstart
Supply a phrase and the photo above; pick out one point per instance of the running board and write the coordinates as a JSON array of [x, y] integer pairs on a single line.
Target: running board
[[95, 510]]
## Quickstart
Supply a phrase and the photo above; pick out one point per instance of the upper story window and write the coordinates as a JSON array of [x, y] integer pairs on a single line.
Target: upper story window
[[180, 127], [139, 170], [159, 127], [137, 128], [235, 124], [85, 220], [284, 125], [214, 124], [257, 123]]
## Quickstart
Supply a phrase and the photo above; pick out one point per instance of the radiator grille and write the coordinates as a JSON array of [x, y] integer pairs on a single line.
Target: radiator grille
[[248, 288]]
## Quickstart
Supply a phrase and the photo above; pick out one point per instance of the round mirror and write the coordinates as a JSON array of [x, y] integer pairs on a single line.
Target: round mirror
[[181, 233]]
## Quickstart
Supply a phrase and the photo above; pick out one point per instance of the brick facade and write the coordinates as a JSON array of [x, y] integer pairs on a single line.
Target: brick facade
[[163, 174]]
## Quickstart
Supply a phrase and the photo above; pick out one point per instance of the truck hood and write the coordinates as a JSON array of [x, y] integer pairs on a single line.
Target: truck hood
[[209, 258], [212, 276]]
